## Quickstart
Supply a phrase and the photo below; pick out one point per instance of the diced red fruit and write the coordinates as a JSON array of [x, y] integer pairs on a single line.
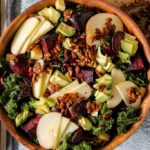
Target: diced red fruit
[[106, 116], [83, 37], [137, 64], [48, 41], [21, 65], [30, 74], [47, 94], [102, 127], [87, 75], [31, 125]]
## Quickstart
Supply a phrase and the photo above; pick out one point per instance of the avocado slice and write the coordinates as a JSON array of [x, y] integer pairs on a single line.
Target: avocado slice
[[105, 80], [109, 67], [102, 97], [125, 58], [129, 44], [59, 79], [51, 14], [60, 5], [65, 30]]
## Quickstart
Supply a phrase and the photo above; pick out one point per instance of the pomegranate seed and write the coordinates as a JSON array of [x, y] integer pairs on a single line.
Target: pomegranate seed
[[107, 116], [83, 37], [47, 94], [102, 127], [30, 74], [106, 47]]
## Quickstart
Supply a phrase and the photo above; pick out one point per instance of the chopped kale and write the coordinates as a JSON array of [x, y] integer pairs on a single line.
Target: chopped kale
[[65, 144], [12, 108], [8, 97], [138, 77], [104, 122], [126, 118], [82, 146]]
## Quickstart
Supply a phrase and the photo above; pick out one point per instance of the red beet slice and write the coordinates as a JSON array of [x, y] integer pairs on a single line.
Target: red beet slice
[[116, 42], [31, 125]]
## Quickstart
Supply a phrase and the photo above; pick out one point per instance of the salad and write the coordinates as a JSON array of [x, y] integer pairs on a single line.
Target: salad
[[74, 78]]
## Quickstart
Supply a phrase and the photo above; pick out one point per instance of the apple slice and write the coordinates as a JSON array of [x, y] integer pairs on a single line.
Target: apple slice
[[36, 85], [48, 130], [40, 85], [123, 88], [67, 89], [84, 90], [71, 128], [44, 27], [45, 81], [63, 126], [99, 21], [23, 33], [117, 77]]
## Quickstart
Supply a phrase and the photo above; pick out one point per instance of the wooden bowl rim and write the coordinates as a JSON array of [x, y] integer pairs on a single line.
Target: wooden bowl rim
[[128, 22]]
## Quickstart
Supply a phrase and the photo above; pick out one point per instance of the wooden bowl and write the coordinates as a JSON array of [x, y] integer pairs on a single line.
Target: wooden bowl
[[130, 25]]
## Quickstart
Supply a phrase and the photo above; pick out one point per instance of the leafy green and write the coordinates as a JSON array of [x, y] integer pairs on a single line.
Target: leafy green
[[61, 56], [126, 118], [65, 144], [10, 92], [24, 115], [3, 64], [12, 109], [101, 124], [82, 146], [139, 77]]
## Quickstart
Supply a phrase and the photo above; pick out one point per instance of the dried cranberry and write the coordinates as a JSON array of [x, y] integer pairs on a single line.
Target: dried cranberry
[[102, 127], [47, 94], [106, 116]]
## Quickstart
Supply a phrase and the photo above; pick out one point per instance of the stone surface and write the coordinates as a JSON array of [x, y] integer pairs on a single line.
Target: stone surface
[[139, 141]]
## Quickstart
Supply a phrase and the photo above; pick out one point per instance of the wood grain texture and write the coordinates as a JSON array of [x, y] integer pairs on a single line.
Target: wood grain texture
[[130, 25]]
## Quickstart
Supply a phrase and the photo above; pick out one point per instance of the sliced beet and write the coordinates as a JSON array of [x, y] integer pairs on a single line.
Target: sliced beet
[[21, 65], [137, 63], [86, 75], [116, 42], [80, 18], [78, 109], [30, 126], [25, 94], [78, 136], [48, 41]]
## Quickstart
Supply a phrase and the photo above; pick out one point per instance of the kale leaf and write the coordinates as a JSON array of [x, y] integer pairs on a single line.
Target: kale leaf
[[126, 118], [10, 92], [65, 144], [102, 124], [82, 146], [12, 109], [138, 77]]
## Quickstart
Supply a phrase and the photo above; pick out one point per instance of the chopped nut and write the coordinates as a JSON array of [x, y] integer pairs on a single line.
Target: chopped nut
[[133, 94], [67, 14], [37, 68], [66, 101], [92, 107], [53, 88]]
